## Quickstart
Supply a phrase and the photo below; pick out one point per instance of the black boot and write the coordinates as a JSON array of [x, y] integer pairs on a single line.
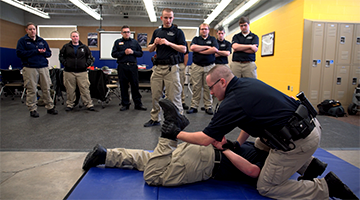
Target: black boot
[[315, 169], [337, 188], [96, 157], [171, 114]]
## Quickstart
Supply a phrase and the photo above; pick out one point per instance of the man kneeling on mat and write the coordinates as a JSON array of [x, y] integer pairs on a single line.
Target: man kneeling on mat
[[171, 164]]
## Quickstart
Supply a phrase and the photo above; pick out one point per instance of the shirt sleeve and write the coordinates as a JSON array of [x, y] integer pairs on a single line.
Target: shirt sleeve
[[193, 41], [138, 51], [215, 43], [228, 46], [116, 53], [255, 40], [228, 117], [235, 39], [153, 37], [181, 38]]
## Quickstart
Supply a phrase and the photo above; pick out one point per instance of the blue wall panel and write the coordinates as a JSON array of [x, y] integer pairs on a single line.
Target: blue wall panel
[[8, 57]]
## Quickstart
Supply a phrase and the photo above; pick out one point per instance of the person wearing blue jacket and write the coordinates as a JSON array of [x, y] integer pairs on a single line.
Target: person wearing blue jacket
[[33, 51]]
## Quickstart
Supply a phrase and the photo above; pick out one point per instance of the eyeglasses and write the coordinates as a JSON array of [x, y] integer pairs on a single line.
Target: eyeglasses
[[126, 31], [214, 84], [243, 25], [204, 29]]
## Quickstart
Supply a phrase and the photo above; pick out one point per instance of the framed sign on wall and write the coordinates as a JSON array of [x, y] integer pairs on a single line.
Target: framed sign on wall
[[267, 44]]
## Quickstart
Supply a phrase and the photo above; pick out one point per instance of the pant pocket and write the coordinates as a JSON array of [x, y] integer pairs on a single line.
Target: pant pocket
[[275, 174]]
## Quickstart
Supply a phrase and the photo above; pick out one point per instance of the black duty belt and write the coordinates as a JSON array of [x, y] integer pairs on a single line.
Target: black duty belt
[[299, 126], [203, 65], [216, 162], [163, 62], [128, 63], [244, 61]]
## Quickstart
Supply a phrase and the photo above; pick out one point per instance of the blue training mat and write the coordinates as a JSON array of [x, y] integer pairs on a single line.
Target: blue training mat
[[114, 183]]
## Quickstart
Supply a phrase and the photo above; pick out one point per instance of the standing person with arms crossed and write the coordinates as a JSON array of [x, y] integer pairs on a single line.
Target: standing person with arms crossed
[[76, 58], [224, 48], [204, 48], [168, 41], [245, 45], [126, 50], [33, 51], [287, 126]]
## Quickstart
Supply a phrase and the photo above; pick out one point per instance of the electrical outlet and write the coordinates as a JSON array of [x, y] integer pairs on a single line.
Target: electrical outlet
[[292, 88]]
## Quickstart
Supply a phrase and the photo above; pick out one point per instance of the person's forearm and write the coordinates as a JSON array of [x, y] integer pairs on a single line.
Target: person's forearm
[[186, 59], [223, 53], [249, 51], [211, 50], [198, 48], [179, 48], [152, 47], [243, 136], [199, 138], [242, 164], [241, 47]]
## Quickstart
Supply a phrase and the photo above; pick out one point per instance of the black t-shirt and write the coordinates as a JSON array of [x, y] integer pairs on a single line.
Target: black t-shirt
[[253, 106], [172, 34], [228, 171], [223, 46], [239, 38], [204, 59]]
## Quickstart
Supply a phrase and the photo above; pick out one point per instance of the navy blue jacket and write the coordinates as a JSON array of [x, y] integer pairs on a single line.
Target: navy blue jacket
[[27, 50]]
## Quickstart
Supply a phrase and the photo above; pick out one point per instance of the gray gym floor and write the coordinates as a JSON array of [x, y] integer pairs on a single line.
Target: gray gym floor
[[41, 158]]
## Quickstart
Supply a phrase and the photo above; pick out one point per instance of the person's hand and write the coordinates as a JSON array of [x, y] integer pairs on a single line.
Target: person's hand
[[219, 145], [42, 50], [128, 51], [164, 41], [231, 145], [157, 41], [254, 47]]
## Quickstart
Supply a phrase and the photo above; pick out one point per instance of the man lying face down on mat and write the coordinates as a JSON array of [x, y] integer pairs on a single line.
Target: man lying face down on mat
[[171, 164]]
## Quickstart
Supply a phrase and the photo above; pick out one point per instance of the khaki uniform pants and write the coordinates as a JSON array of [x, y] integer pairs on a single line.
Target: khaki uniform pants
[[162, 77], [81, 79], [168, 165], [182, 80], [244, 69], [198, 79], [223, 65], [279, 166], [32, 77]]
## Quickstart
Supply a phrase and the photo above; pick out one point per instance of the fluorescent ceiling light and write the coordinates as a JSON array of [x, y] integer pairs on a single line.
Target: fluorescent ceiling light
[[222, 5], [27, 8], [150, 10], [238, 12], [86, 8]]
